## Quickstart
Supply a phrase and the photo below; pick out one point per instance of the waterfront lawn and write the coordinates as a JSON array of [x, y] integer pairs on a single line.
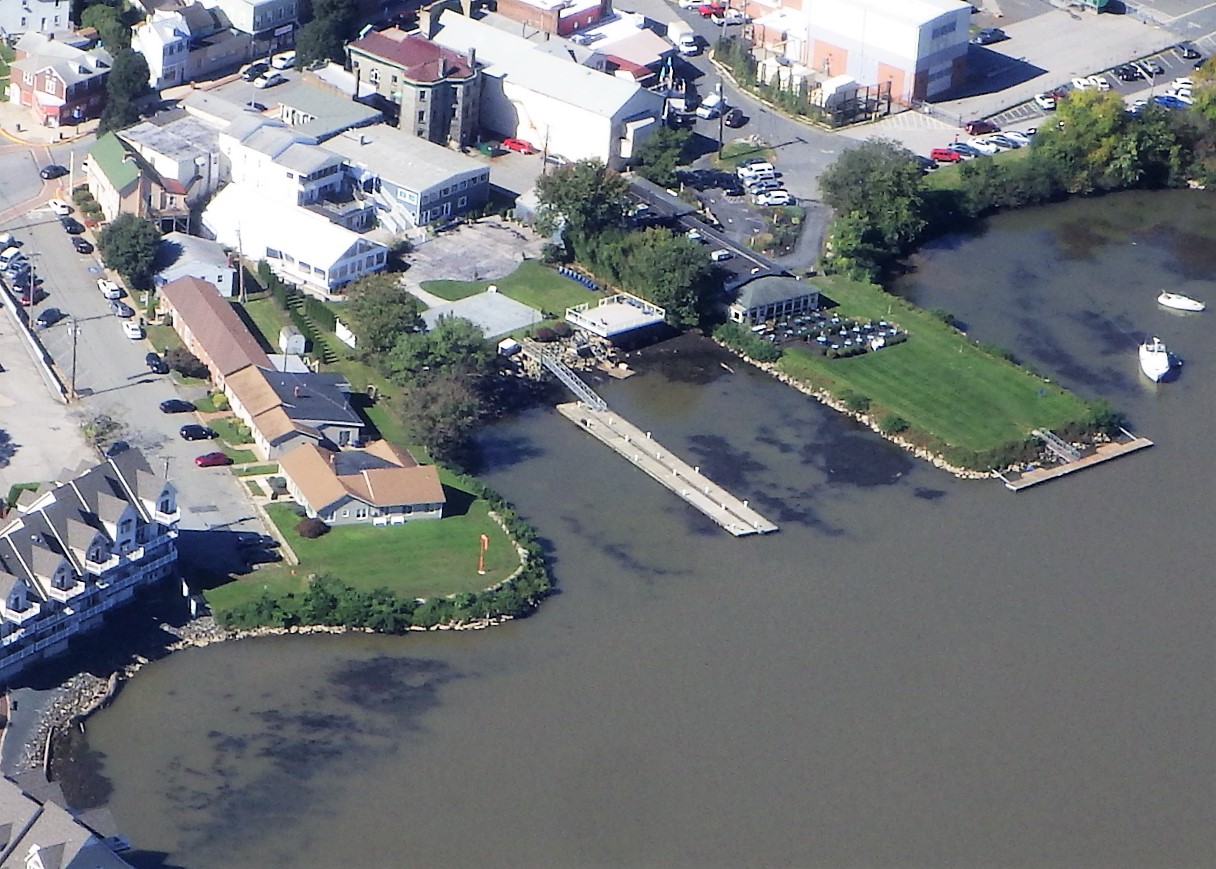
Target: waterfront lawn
[[533, 284], [946, 387], [947, 177]]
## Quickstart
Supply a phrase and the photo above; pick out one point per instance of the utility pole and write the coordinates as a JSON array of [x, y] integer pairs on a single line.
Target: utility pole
[[240, 266], [75, 331], [721, 117]]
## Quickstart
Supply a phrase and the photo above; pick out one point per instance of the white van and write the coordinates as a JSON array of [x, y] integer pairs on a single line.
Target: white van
[[756, 171], [9, 256], [712, 106]]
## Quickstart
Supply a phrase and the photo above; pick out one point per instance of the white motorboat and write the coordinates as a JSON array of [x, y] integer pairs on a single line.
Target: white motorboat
[[1179, 302], [1154, 359]]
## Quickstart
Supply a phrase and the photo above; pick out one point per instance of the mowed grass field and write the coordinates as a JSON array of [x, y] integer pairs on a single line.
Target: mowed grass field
[[938, 381], [533, 284]]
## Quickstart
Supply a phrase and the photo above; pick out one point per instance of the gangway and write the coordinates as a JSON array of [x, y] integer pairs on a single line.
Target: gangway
[[1064, 451], [563, 373]]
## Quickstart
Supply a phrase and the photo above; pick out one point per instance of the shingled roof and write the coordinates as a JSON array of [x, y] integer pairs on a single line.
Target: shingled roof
[[215, 324]]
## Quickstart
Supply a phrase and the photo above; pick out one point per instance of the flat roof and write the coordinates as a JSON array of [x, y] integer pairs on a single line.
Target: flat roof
[[329, 112], [616, 315], [183, 138], [407, 160]]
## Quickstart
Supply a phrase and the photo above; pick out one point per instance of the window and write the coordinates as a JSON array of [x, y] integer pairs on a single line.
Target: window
[[361, 513], [462, 202], [345, 511], [374, 76], [394, 78], [305, 266], [421, 94], [422, 117], [944, 29], [273, 254], [125, 527]]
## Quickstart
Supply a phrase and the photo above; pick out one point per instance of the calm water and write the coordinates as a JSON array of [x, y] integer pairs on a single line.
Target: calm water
[[915, 672]]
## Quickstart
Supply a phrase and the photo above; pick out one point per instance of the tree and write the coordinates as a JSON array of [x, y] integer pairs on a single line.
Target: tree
[[128, 245], [454, 346], [107, 21], [126, 83], [379, 310], [659, 155], [184, 362], [441, 412], [669, 270], [879, 182], [324, 36], [587, 196]]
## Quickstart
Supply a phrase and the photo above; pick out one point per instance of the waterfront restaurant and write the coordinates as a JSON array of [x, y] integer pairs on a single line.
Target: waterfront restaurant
[[772, 297]]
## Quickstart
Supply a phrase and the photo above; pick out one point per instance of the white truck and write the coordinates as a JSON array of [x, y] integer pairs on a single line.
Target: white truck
[[683, 38]]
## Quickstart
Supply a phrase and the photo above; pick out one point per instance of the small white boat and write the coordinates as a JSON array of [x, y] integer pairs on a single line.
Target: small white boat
[[1179, 302], [1154, 359]]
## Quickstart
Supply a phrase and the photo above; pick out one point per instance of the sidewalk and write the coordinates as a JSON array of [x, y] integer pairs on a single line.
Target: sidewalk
[[18, 125]]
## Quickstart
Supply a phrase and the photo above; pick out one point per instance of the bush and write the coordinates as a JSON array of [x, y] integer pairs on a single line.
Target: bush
[[892, 424], [186, 363], [563, 329], [311, 529], [219, 400], [545, 335], [554, 253], [854, 401], [945, 316]]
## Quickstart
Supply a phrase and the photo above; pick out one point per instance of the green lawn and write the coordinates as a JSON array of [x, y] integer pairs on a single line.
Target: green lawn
[[162, 337], [418, 559], [239, 457], [533, 284], [940, 382], [734, 153], [231, 430], [254, 488], [257, 470], [946, 176], [207, 404], [267, 317]]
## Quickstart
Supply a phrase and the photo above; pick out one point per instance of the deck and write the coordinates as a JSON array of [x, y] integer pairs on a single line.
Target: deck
[[1095, 456]]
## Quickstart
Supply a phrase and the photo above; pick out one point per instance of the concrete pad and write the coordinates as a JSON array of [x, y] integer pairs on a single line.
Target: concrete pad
[[483, 250], [494, 313]]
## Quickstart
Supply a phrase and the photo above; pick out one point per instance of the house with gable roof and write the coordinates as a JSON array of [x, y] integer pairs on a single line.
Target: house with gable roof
[[37, 832], [59, 83], [210, 328]]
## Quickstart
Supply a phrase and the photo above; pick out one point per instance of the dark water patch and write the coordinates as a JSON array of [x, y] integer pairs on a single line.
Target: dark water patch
[[854, 458], [723, 463], [496, 450], [1115, 335], [78, 769], [688, 359], [406, 687], [769, 438], [928, 494], [1055, 360], [790, 507], [1082, 239]]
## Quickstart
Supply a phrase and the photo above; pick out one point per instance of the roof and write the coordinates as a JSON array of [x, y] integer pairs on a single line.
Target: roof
[[109, 156], [315, 398], [177, 249], [212, 108], [908, 11], [306, 159], [308, 467], [517, 61], [215, 324], [50, 832], [771, 289], [252, 390], [408, 161], [419, 59], [70, 63], [321, 112], [184, 137], [362, 474]]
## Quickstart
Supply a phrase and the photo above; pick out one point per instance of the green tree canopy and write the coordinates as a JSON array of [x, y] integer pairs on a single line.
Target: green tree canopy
[[324, 35], [879, 182], [661, 154], [379, 310], [588, 195], [126, 83], [454, 346], [440, 412], [107, 21], [128, 245], [667, 269]]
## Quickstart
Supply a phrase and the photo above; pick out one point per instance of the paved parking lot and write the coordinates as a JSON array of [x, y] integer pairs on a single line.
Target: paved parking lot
[[483, 250]]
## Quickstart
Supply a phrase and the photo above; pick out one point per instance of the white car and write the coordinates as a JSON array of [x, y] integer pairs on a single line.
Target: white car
[[984, 146], [1184, 82], [720, 254], [775, 197], [1017, 136], [1082, 84], [731, 16], [688, 45], [695, 235], [109, 289], [270, 79], [132, 330], [691, 4], [284, 60], [1100, 82], [1046, 102], [60, 207]]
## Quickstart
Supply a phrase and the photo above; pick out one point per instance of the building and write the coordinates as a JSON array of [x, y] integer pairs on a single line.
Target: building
[[60, 83], [188, 256], [301, 247], [321, 112], [379, 485], [40, 16], [556, 17], [772, 296], [123, 182], [188, 42], [433, 91], [411, 181], [77, 550], [917, 48], [556, 104], [271, 24], [284, 409], [210, 328], [41, 834]]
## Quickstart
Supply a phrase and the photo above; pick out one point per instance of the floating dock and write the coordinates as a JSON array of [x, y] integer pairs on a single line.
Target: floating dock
[[1076, 461], [658, 462]]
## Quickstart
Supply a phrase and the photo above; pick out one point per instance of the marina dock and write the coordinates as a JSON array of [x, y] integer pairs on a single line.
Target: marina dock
[[1073, 461], [658, 462]]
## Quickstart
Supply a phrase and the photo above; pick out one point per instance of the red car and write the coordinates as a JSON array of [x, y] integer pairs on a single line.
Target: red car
[[212, 460], [980, 128], [518, 145], [711, 9], [33, 297], [945, 155]]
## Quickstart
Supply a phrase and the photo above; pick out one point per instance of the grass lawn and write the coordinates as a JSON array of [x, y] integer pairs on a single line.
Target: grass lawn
[[277, 579], [940, 382], [231, 430], [266, 315], [946, 176], [533, 284], [256, 470], [254, 488], [239, 457], [207, 403], [162, 337], [734, 153]]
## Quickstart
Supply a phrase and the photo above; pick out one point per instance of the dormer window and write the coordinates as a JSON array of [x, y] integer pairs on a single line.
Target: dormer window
[[97, 554], [17, 600], [166, 505], [64, 578]]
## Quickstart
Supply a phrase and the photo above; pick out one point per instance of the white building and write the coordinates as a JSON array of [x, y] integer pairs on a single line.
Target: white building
[[917, 47], [302, 247], [180, 256], [555, 104], [41, 16], [286, 166], [188, 42], [271, 23], [164, 41], [77, 550], [182, 150]]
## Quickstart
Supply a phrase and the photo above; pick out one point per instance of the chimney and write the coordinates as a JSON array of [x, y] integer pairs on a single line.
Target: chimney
[[295, 391], [472, 57], [333, 459]]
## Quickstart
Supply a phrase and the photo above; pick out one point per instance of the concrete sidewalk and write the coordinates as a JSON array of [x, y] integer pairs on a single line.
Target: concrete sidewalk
[[18, 125]]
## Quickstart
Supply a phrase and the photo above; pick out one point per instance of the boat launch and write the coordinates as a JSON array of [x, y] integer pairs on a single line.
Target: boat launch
[[1179, 302], [1154, 359]]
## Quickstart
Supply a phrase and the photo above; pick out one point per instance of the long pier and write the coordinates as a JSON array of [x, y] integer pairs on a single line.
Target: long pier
[[1101, 453], [658, 462]]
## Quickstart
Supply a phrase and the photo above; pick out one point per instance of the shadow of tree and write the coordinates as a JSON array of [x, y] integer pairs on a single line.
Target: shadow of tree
[[8, 448]]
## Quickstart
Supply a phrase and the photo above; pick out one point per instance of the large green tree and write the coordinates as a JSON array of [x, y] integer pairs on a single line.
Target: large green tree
[[126, 83], [667, 269], [107, 20], [585, 197], [324, 35], [454, 346], [128, 245], [880, 182], [379, 310], [440, 413], [661, 154]]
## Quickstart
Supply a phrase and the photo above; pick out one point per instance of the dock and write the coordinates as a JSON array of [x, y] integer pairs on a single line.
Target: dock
[[658, 462], [1073, 461]]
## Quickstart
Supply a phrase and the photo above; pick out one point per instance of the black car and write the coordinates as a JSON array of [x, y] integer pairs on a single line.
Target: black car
[[1128, 72], [255, 71], [196, 432], [49, 317], [157, 366], [82, 245], [248, 539], [71, 225], [175, 405], [57, 171], [734, 118], [1188, 51], [255, 106], [121, 309], [988, 35]]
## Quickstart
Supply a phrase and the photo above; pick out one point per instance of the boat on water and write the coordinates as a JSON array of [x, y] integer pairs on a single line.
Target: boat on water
[[1179, 302], [1154, 359]]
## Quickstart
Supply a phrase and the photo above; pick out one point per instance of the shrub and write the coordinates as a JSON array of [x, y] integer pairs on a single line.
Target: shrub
[[184, 362], [545, 335], [219, 400], [563, 329], [854, 401], [945, 316], [311, 529], [554, 253], [892, 424]]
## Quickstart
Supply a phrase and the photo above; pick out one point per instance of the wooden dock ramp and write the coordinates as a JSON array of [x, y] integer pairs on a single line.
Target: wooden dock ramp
[[1129, 443], [648, 455]]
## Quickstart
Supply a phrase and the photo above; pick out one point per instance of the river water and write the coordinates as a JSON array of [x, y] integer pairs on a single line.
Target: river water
[[916, 671]]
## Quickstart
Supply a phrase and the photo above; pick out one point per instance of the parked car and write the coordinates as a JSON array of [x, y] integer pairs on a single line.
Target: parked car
[[1046, 102], [32, 296], [255, 71], [212, 460], [734, 119], [157, 365], [755, 168], [989, 35], [1082, 83], [965, 150], [945, 155], [720, 255], [775, 197], [1018, 136], [195, 432], [172, 405], [71, 225], [269, 80], [54, 170], [1188, 50], [255, 106], [1004, 141], [688, 44], [109, 289], [763, 185], [1129, 72], [984, 146], [1100, 82], [980, 127], [729, 17], [709, 10], [134, 331], [519, 145], [1151, 67], [1169, 102], [925, 164], [696, 235], [556, 160], [60, 207], [283, 60], [82, 245], [690, 4], [121, 309], [49, 317]]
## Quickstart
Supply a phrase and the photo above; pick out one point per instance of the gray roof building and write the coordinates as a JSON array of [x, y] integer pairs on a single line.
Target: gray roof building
[[321, 112], [771, 296]]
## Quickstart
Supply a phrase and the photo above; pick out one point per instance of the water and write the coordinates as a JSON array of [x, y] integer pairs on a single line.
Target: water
[[914, 671]]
